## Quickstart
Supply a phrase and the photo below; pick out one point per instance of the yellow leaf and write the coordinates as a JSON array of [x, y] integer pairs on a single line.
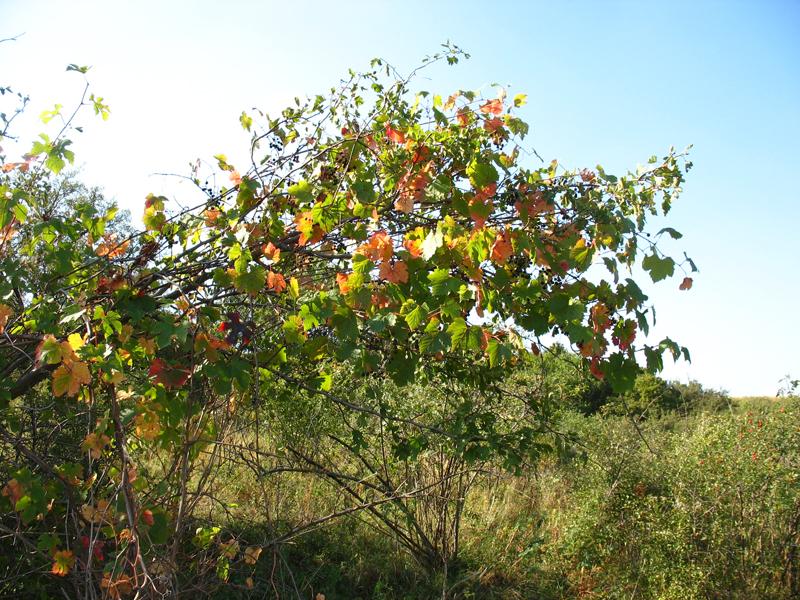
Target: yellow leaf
[[115, 377], [294, 288], [251, 554], [148, 426], [94, 444], [75, 341], [125, 333], [148, 345], [98, 513]]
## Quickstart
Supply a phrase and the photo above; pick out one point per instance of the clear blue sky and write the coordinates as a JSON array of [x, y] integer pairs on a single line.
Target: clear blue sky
[[608, 82]]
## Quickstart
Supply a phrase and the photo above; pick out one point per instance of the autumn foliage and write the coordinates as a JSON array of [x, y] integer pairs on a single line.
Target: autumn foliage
[[395, 233]]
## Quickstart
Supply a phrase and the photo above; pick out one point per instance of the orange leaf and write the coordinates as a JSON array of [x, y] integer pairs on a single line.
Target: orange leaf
[[106, 285], [13, 491], [414, 247], [210, 346], [116, 588], [379, 247], [304, 222], [272, 252], [479, 301], [479, 210], [315, 236], [600, 318], [68, 378], [420, 154], [412, 189], [501, 249], [492, 107], [394, 272], [63, 562], [532, 205], [148, 426], [343, 281], [686, 284], [451, 101], [380, 301], [394, 135], [6, 233], [211, 215], [275, 282], [5, 313], [110, 248], [464, 116], [147, 517]]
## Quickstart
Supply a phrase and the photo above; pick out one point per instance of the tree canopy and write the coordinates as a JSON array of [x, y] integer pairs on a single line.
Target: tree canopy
[[378, 231]]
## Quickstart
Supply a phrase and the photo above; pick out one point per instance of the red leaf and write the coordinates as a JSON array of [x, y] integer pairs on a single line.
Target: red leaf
[[394, 135], [492, 125], [167, 375], [686, 284], [147, 517], [595, 369]]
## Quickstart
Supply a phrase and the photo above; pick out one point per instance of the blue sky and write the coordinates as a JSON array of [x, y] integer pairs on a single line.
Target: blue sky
[[607, 82]]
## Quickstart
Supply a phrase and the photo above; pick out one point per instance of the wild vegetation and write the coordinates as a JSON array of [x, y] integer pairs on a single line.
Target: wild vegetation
[[386, 359]]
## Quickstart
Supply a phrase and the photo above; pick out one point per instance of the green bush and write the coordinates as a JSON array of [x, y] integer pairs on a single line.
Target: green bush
[[709, 511]]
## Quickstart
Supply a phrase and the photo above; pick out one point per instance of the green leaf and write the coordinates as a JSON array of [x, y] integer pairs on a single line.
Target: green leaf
[[415, 317], [621, 372], [365, 191], [675, 235], [159, 532], [250, 281], [49, 115], [442, 283], [655, 362], [247, 191], [481, 174], [49, 351], [302, 190], [659, 268], [457, 330], [402, 368]]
